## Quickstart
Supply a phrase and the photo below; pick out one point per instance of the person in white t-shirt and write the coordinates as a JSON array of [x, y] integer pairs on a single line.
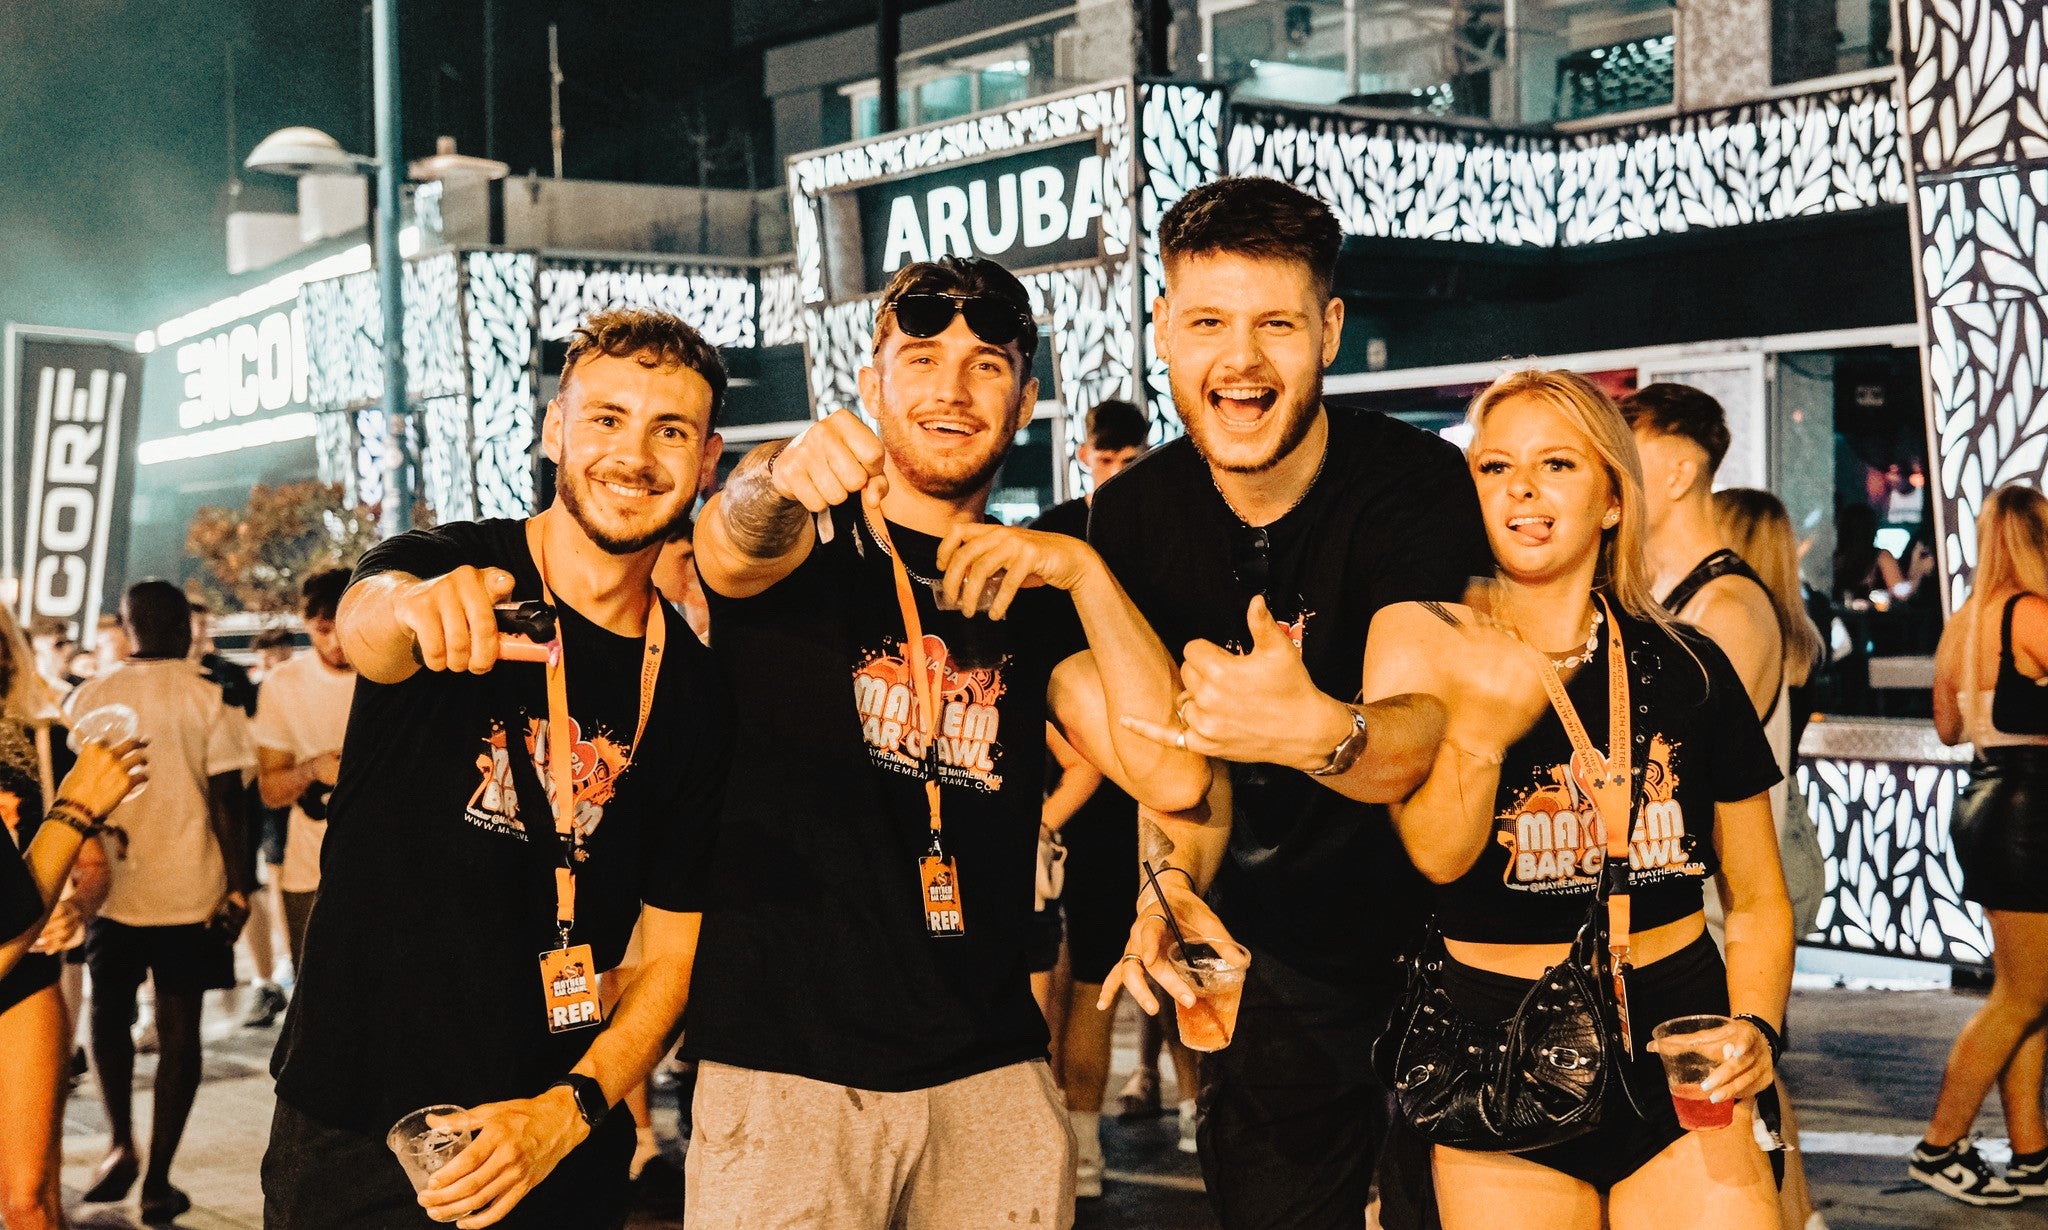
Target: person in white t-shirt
[[301, 716], [179, 889]]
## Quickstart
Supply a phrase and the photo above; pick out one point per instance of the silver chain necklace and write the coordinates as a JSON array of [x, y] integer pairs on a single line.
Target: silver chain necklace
[[1312, 479], [879, 542]]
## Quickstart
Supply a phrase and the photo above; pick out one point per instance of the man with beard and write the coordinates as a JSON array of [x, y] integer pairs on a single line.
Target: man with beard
[[862, 1010], [495, 834], [1264, 543]]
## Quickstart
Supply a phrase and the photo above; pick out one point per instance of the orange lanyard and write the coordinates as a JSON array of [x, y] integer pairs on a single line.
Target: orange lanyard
[[920, 672], [562, 740]]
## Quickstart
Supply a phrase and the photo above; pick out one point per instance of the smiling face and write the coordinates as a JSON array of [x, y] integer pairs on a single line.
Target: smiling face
[[1246, 342], [632, 444], [1545, 492], [949, 407]]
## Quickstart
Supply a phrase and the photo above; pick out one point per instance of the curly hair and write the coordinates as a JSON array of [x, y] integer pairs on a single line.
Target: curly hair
[[652, 339]]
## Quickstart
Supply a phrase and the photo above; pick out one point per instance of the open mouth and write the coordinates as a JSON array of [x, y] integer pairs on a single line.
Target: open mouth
[[1531, 528], [1242, 406]]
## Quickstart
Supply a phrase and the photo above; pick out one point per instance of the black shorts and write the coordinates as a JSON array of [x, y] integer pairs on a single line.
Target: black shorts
[[1042, 943], [320, 1177], [2000, 830], [1689, 982], [183, 960], [34, 972], [1102, 883]]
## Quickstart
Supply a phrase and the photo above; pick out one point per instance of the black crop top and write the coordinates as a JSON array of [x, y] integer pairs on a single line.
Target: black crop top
[[1697, 743]]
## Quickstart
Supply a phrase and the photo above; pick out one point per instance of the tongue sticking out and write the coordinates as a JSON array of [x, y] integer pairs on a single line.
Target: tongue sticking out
[[1531, 531]]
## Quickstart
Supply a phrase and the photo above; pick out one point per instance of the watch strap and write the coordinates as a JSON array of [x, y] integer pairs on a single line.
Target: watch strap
[[1348, 749], [589, 1095]]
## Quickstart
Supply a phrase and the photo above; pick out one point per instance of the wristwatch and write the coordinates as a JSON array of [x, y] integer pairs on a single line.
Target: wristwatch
[[1347, 751], [589, 1097]]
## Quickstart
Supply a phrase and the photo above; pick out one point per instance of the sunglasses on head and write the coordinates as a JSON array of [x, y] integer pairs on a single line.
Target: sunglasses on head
[[995, 321]]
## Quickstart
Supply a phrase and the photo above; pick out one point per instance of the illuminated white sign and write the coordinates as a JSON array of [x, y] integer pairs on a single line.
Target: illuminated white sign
[[77, 433], [259, 365], [1029, 210]]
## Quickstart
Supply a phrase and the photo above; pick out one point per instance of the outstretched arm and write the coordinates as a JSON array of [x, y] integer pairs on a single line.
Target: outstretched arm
[[757, 530], [1124, 672]]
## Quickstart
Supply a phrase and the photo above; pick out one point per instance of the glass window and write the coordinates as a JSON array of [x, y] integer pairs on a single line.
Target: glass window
[[945, 98], [1023, 487], [1819, 38], [1582, 60], [867, 112], [1283, 52], [1004, 83], [1434, 58]]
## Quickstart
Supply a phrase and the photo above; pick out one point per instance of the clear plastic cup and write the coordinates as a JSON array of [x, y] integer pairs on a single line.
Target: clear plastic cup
[[1685, 1066], [110, 726], [422, 1150], [1214, 970]]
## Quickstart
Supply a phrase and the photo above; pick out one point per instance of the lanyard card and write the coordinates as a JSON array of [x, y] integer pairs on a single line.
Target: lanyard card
[[568, 985], [941, 882]]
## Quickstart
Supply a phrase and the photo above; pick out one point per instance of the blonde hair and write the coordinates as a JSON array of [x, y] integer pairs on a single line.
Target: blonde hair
[[1757, 526], [1623, 573], [2012, 543], [27, 698]]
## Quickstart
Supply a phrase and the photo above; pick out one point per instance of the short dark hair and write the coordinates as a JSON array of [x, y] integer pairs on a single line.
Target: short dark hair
[[1253, 216], [653, 339], [158, 617], [320, 594], [1681, 410], [959, 275], [1117, 424], [271, 638]]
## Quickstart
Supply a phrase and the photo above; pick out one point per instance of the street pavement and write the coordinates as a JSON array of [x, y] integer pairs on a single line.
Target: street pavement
[[1864, 1069]]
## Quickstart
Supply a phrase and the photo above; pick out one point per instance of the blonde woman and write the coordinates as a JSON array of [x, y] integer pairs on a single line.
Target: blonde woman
[[1989, 675], [37, 854], [1561, 489]]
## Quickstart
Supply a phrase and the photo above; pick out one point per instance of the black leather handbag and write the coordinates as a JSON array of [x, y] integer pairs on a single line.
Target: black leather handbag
[[1541, 1077]]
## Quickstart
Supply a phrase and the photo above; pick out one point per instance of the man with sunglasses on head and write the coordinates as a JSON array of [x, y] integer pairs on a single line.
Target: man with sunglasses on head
[[1260, 547], [862, 1007]]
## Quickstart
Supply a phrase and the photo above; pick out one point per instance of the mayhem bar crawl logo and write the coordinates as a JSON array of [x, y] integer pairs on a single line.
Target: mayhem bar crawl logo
[[970, 717], [70, 472]]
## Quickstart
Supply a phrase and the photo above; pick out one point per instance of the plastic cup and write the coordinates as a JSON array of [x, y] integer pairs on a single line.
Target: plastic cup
[[1214, 970], [1686, 1066], [988, 596], [422, 1150], [110, 726]]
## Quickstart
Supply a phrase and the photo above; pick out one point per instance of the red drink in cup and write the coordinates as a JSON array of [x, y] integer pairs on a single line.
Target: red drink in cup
[[1691, 1048], [1214, 970]]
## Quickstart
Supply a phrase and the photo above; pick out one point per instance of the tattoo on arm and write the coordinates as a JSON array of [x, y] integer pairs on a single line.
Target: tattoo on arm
[[1152, 840], [760, 522]]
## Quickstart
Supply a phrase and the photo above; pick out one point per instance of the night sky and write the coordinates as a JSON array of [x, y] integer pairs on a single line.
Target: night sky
[[113, 131]]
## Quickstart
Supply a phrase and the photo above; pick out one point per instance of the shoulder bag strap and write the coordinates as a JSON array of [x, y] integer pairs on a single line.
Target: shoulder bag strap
[[1609, 782]]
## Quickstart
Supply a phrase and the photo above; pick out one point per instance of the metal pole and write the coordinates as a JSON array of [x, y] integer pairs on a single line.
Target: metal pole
[[555, 94], [398, 466], [490, 78], [888, 47]]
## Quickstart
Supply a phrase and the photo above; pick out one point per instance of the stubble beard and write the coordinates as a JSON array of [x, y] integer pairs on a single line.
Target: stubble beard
[[569, 489], [1298, 416], [897, 434]]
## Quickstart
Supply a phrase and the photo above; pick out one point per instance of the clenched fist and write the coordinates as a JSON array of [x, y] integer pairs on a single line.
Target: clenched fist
[[831, 459]]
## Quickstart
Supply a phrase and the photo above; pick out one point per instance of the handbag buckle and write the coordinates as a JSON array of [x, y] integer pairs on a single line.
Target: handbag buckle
[[1566, 1057]]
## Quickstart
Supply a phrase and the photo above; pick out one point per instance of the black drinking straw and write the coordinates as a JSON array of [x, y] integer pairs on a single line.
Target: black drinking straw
[[1171, 925]]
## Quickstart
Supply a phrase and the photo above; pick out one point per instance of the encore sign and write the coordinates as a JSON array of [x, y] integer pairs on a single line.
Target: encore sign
[[70, 476], [1026, 211]]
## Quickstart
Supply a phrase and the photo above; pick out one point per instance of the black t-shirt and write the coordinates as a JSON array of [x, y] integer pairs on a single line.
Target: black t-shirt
[[1312, 877], [422, 971], [20, 903], [1696, 742], [815, 959]]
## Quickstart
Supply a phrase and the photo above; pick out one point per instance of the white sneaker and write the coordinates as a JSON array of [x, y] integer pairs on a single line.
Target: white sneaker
[[1087, 1153], [1187, 1125]]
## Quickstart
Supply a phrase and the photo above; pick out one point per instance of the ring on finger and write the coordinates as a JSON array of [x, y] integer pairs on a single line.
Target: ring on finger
[[1180, 740]]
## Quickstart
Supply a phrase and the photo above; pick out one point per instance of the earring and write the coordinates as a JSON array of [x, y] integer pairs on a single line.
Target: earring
[[1612, 519]]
